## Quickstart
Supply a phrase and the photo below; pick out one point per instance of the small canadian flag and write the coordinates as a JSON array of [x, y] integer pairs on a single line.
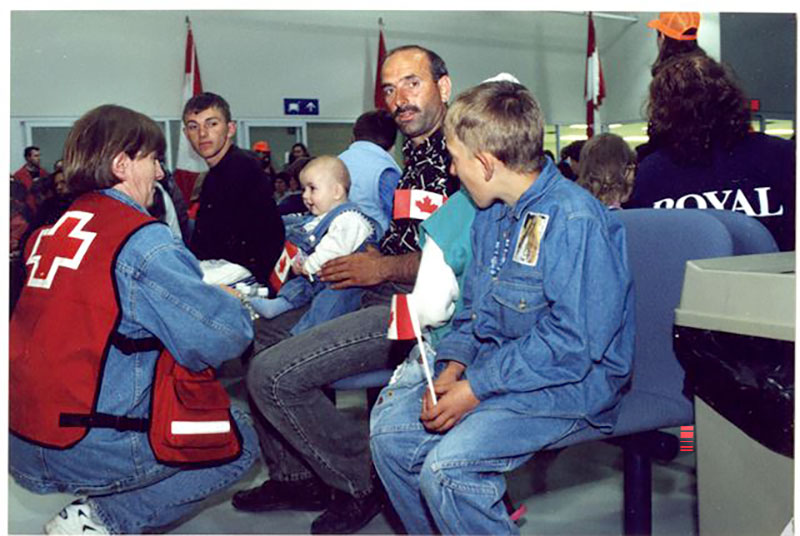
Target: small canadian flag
[[416, 204], [403, 321], [281, 271], [404, 325]]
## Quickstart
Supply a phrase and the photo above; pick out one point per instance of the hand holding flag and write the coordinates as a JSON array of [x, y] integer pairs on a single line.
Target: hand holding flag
[[282, 268]]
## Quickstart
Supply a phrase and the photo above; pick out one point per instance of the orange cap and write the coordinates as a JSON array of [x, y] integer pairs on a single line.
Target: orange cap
[[261, 146], [675, 24]]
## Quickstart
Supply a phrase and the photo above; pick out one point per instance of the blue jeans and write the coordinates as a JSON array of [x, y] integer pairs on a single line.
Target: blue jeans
[[301, 431], [326, 303], [452, 483], [128, 489]]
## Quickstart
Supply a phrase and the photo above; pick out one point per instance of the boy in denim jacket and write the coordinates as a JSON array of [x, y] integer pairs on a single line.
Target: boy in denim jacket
[[543, 344]]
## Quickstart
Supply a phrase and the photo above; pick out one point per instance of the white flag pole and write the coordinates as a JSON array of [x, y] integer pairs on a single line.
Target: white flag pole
[[412, 309]]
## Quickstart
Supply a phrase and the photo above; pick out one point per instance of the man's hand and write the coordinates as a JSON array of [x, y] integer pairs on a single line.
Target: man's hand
[[363, 269], [455, 400]]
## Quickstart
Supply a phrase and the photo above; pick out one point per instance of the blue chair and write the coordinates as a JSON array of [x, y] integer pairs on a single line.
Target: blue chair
[[372, 382], [659, 244], [749, 235]]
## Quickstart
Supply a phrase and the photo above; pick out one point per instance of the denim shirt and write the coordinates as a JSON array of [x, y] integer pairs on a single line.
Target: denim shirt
[[161, 293], [551, 331], [373, 179]]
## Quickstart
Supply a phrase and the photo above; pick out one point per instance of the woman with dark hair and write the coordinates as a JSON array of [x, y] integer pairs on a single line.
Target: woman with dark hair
[[707, 156], [298, 150], [113, 329], [676, 36]]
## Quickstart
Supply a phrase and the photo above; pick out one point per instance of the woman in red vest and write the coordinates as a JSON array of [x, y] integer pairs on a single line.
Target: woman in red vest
[[109, 298]]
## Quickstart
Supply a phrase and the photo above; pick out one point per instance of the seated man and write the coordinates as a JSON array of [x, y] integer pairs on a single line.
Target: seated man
[[237, 219], [543, 344], [373, 171], [110, 296], [309, 445]]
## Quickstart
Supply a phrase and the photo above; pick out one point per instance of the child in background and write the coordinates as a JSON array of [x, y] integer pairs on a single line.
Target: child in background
[[334, 227], [607, 169], [543, 344]]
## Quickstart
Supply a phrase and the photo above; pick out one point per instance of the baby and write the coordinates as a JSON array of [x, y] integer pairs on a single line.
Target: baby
[[334, 227]]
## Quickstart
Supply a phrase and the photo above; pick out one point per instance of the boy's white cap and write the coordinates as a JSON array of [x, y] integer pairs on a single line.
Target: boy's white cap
[[502, 77]]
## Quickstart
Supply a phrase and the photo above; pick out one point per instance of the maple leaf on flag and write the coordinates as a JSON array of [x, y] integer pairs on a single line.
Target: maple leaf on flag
[[426, 205], [282, 264], [391, 317]]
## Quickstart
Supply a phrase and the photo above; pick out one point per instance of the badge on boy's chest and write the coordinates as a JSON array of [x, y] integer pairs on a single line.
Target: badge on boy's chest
[[526, 250]]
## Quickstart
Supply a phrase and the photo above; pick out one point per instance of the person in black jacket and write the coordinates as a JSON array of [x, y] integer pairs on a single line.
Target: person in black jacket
[[237, 219], [707, 155]]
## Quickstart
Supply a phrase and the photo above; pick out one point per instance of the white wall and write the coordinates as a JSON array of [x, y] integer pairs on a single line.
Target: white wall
[[66, 62], [627, 50]]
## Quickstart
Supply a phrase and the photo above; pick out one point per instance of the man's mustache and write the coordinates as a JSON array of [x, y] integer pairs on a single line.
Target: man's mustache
[[406, 108]]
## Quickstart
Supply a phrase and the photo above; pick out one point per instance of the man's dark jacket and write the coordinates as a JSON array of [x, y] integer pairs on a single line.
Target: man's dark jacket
[[237, 219]]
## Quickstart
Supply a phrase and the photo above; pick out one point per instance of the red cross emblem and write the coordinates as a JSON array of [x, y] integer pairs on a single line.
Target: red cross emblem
[[64, 244]]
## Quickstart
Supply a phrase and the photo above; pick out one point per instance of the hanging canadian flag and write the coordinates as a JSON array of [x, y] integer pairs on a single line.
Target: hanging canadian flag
[[280, 273], [189, 164], [416, 204], [380, 102], [595, 89]]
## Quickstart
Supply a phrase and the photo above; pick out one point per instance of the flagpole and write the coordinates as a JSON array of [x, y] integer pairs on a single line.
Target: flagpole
[[188, 165], [412, 307], [377, 96], [424, 357]]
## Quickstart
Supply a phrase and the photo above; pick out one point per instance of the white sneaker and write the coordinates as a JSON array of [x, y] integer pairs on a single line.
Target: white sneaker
[[75, 518]]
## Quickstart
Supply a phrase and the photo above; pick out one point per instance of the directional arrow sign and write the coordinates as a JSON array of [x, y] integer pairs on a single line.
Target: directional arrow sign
[[301, 106]]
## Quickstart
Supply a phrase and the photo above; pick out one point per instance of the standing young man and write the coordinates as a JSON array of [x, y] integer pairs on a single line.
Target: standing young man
[[309, 446], [237, 219]]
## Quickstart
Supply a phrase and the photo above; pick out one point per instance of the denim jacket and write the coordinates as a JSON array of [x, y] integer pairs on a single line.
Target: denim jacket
[[550, 328], [162, 294]]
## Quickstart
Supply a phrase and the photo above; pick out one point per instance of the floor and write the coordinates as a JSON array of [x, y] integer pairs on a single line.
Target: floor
[[577, 491]]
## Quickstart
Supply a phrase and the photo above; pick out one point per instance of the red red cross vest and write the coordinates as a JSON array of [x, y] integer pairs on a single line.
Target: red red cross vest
[[63, 327]]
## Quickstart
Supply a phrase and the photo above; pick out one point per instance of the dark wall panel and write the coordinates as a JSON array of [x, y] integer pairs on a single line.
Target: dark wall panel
[[762, 49]]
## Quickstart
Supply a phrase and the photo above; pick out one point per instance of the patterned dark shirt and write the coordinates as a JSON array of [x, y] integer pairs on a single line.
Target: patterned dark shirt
[[427, 167]]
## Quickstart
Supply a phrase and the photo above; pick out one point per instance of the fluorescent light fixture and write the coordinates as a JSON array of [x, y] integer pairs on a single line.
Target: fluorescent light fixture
[[578, 126], [779, 131], [615, 125], [574, 137], [635, 138]]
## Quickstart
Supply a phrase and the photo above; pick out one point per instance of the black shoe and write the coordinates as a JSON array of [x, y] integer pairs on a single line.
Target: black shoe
[[309, 494], [347, 515]]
